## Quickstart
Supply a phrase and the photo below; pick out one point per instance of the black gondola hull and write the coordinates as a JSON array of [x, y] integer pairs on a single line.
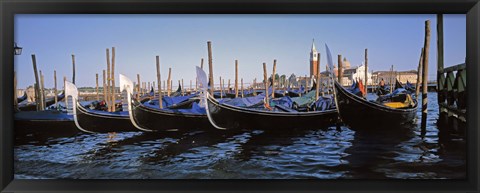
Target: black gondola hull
[[160, 120], [102, 123], [33, 106], [358, 113], [230, 117]]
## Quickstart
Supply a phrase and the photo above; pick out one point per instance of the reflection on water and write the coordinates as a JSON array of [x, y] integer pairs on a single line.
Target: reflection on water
[[325, 153]]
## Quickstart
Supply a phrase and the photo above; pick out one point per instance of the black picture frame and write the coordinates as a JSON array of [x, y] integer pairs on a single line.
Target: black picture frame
[[10, 7]]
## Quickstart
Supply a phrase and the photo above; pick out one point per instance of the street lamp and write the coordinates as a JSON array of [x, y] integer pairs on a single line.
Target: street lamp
[[17, 50]]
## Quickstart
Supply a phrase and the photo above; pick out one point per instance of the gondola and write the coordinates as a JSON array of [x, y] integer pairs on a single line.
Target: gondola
[[32, 106], [361, 114], [22, 98], [96, 121], [226, 116], [51, 122], [373, 115], [184, 115]]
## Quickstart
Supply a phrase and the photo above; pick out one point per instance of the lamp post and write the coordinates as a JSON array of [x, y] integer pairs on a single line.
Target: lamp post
[[17, 50]]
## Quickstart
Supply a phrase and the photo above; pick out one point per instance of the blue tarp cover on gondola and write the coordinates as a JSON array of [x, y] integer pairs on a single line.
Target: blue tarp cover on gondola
[[168, 101]]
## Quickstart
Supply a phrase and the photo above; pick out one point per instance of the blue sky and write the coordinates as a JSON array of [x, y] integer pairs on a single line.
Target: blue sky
[[181, 41]]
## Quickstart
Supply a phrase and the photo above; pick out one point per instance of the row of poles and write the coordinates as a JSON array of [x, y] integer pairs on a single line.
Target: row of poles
[[39, 86]]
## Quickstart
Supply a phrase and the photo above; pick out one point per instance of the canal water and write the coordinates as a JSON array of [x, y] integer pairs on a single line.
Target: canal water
[[323, 153]]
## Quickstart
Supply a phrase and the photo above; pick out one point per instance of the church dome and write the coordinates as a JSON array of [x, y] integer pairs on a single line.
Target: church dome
[[346, 64]]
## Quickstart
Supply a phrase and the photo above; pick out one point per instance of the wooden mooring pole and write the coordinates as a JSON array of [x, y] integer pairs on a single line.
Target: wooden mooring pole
[[265, 82], [317, 89], [273, 78], [221, 88], [107, 98], [340, 69], [169, 81], [159, 84], [96, 83], [37, 82], [73, 66], [366, 71], [419, 75], [114, 108], [138, 86], [241, 80], [425, 77], [236, 78], [104, 86], [42, 91], [440, 60], [55, 87], [210, 67]]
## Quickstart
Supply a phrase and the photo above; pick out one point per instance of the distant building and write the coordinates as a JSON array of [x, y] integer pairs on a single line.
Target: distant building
[[357, 73], [390, 77]]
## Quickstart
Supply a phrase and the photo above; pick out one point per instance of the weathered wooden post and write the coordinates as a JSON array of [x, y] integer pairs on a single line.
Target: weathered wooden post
[[242, 86], [265, 82], [42, 91], [164, 86], [236, 78], [183, 88], [138, 86], [73, 65], [210, 66], [340, 69], [419, 76], [159, 84], [306, 83], [273, 77], [391, 79], [317, 89], [366, 71], [55, 87], [169, 81], [108, 98], [221, 88], [96, 83], [171, 85], [104, 86], [425, 77], [114, 108], [201, 63], [37, 82], [228, 89], [254, 84], [439, 55]]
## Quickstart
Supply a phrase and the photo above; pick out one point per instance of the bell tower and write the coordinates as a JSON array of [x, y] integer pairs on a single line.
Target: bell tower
[[313, 60]]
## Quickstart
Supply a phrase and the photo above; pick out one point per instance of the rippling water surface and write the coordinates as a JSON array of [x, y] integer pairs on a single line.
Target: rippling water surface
[[325, 153]]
